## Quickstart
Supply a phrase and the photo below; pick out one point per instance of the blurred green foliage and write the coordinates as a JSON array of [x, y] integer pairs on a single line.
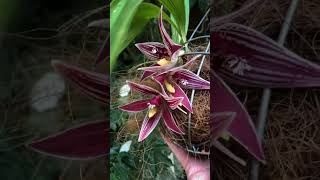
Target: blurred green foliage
[[8, 9]]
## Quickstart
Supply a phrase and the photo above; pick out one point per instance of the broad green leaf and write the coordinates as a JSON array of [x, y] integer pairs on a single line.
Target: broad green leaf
[[126, 24], [121, 15]]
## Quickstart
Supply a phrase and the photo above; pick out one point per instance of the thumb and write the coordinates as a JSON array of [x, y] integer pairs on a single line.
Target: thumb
[[181, 155]]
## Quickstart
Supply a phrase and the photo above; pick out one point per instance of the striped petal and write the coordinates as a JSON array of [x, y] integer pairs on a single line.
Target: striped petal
[[168, 42], [169, 120], [219, 122], [87, 141], [246, 57], [241, 128], [142, 88], [190, 80], [164, 68], [158, 69], [153, 50], [136, 106], [173, 102], [92, 84], [148, 125], [180, 93]]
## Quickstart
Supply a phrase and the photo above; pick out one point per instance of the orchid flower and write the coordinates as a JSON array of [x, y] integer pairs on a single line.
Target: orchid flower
[[237, 123], [245, 57], [166, 54], [169, 77], [158, 106], [172, 80]]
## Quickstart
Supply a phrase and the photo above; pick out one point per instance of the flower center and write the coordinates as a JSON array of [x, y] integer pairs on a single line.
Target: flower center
[[169, 87], [163, 62], [152, 111]]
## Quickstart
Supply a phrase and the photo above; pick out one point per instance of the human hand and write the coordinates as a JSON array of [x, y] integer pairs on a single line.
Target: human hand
[[196, 169]]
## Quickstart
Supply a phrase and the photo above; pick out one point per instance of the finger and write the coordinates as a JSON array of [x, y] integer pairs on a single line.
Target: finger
[[181, 155]]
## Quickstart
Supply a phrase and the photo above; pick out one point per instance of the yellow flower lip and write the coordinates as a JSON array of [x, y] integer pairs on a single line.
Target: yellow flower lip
[[152, 112], [169, 87], [163, 62]]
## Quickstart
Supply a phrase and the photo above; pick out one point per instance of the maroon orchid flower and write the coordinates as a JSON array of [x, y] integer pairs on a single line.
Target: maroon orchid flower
[[169, 77], [86, 141], [219, 127], [158, 106], [172, 81], [239, 124], [166, 54], [246, 57]]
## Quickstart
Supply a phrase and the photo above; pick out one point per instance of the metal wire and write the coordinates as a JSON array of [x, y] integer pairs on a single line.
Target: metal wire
[[263, 110], [199, 70]]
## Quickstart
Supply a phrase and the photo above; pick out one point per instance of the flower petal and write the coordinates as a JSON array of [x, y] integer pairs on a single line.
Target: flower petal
[[246, 57], [148, 125], [153, 50], [241, 128], [219, 122], [173, 102], [87, 141], [178, 96], [173, 69], [157, 69], [180, 93], [92, 84], [147, 74], [142, 88], [171, 46], [136, 106], [169, 120], [190, 80]]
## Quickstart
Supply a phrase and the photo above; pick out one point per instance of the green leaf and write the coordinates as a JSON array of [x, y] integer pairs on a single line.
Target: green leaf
[[128, 19], [179, 10], [145, 13], [121, 15]]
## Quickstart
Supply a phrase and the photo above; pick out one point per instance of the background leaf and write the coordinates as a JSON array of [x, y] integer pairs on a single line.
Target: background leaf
[[145, 13], [124, 28], [122, 13]]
